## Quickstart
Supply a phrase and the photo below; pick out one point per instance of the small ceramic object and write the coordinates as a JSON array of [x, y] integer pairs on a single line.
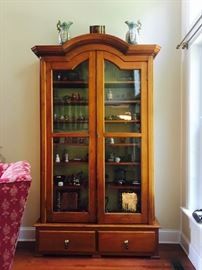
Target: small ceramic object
[[60, 184], [117, 159]]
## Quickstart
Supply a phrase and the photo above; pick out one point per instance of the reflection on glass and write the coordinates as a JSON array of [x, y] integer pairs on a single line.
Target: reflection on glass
[[122, 174], [70, 174], [122, 99], [70, 99]]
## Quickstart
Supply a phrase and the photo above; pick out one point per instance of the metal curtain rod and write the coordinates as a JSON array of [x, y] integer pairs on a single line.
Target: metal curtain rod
[[183, 43]]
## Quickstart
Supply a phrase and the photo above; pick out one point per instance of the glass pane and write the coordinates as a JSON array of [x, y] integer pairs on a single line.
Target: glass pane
[[122, 99], [70, 173], [70, 99], [123, 175]]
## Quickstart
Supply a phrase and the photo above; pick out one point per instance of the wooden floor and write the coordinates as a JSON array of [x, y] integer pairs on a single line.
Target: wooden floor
[[171, 257]]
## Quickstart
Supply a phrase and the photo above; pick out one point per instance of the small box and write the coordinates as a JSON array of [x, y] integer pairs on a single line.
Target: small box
[[69, 201], [100, 29]]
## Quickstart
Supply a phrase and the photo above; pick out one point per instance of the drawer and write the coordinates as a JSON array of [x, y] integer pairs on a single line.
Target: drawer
[[66, 241], [127, 242]]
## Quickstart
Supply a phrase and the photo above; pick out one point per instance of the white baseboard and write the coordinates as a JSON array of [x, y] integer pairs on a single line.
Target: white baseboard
[[168, 236], [26, 234], [165, 235], [191, 252]]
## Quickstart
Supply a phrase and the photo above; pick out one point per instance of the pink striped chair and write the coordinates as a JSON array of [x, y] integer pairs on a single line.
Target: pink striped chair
[[15, 181]]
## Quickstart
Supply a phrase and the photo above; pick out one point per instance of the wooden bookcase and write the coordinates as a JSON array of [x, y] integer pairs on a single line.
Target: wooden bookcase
[[97, 192]]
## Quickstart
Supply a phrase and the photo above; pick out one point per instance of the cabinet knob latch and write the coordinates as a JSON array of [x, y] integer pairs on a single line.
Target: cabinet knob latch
[[126, 242], [66, 243]]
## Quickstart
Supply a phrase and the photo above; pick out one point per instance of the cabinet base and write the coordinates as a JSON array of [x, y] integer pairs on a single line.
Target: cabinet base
[[97, 239]]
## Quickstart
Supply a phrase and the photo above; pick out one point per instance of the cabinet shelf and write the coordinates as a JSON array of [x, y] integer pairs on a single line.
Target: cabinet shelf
[[121, 163], [71, 144], [122, 121], [120, 102], [62, 84], [70, 122], [122, 82], [122, 144], [71, 187], [72, 103], [124, 186], [71, 162]]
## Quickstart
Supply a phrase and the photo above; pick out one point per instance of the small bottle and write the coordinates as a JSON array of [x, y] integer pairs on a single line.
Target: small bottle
[[109, 95], [111, 140], [57, 158], [66, 157]]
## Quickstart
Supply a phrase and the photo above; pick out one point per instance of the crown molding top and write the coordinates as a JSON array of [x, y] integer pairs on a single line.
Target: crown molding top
[[96, 39]]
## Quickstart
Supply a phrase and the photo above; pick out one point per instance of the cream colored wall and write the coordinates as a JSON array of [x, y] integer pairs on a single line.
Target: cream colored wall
[[28, 23]]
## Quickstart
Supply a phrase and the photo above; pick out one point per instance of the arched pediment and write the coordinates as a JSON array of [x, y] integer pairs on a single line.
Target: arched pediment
[[95, 39]]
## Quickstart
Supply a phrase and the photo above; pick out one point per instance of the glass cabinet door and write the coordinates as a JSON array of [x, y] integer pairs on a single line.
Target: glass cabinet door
[[122, 99], [71, 144], [70, 173], [70, 99], [122, 175], [123, 148]]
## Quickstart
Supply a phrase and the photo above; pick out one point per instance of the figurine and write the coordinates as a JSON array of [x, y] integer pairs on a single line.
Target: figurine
[[65, 156], [132, 36], [63, 30], [57, 158]]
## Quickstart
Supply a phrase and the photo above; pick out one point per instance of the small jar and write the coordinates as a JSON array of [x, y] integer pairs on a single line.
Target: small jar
[[99, 29], [117, 159]]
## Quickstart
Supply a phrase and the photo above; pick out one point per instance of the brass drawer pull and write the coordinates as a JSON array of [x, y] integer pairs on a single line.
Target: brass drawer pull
[[66, 243], [126, 242]]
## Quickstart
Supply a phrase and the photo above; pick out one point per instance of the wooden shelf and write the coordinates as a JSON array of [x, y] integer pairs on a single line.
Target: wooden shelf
[[71, 162], [71, 187], [69, 83], [71, 144], [122, 163], [70, 122], [122, 121], [122, 144], [71, 102], [120, 102], [122, 82], [124, 186]]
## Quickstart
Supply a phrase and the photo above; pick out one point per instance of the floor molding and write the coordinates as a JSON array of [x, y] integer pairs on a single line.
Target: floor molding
[[166, 236], [193, 256]]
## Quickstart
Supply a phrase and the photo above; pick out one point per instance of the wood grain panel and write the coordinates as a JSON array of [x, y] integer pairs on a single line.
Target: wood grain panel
[[54, 241]]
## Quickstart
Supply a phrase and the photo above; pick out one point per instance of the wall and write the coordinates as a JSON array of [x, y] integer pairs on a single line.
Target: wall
[[28, 23]]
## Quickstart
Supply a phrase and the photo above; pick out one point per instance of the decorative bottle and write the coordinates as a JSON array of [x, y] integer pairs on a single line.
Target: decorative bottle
[[132, 36], [63, 30]]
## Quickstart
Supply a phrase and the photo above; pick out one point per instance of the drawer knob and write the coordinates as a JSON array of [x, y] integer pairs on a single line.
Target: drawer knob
[[66, 243], [126, 242]]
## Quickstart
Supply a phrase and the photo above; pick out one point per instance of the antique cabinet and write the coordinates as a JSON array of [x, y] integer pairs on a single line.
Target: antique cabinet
[[97, 192]]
